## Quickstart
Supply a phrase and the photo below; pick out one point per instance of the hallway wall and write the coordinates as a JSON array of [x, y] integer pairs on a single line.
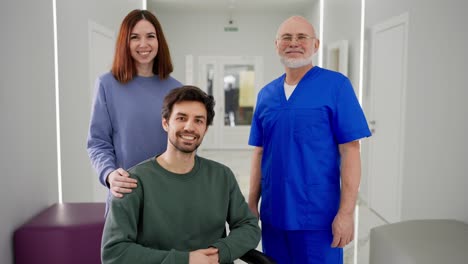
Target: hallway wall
[[435, 161], [28, 160]]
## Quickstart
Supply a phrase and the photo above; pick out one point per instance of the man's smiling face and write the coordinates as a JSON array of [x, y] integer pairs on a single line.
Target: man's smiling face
[[186, 126]]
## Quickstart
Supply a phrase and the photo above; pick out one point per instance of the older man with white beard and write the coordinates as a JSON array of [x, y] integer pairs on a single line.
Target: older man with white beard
[[306, 163]]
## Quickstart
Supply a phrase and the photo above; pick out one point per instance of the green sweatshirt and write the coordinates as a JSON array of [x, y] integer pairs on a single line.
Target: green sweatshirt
[[168, 215]]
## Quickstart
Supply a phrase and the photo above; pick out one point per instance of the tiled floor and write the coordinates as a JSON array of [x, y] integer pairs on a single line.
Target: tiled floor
[[239, 162]]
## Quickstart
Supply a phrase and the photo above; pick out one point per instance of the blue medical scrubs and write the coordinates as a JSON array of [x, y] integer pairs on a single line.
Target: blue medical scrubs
[[300, 185]]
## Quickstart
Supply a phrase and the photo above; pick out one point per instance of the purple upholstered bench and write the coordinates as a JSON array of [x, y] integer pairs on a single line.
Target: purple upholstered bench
[[65, 233]]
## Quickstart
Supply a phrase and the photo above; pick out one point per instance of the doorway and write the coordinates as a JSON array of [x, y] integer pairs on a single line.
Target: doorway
[[386, 115], [100, 60], [234, 82]]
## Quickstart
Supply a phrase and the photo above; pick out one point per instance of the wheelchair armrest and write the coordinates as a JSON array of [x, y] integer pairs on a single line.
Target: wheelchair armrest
[[256, 257]]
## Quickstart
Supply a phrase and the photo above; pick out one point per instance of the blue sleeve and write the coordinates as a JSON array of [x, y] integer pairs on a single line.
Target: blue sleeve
[[256, 130], [349, 122], [100, 145]]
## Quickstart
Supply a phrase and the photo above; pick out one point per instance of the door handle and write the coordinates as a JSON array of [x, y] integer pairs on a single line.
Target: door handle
[[372, 126]]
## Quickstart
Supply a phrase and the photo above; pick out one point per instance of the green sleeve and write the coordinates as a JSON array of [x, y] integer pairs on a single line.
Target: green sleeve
[[244, 232], [119, 240]]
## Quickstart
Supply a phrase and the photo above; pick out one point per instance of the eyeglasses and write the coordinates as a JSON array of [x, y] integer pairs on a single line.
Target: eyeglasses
[[301, 38]]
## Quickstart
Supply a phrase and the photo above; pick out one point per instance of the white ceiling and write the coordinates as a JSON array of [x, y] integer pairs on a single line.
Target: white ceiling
[[234, 5]]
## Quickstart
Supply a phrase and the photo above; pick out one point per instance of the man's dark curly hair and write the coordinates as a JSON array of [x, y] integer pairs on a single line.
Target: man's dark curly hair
[[188, 93]]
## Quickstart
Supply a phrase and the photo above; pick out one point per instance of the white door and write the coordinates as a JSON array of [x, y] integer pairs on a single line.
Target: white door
[[387, 111], [101, 52], [234, 83]]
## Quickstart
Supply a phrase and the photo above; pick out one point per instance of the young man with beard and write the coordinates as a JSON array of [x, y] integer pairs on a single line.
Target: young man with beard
[[178, 211], [306, 163]]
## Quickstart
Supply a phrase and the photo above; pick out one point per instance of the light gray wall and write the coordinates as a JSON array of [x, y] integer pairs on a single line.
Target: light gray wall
[[342, 21], [75, 90], [201, 33], [436, 164], [28, 160], [313, 15]]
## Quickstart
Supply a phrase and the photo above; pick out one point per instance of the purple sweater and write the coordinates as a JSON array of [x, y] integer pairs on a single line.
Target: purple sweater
[[125, 127]]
